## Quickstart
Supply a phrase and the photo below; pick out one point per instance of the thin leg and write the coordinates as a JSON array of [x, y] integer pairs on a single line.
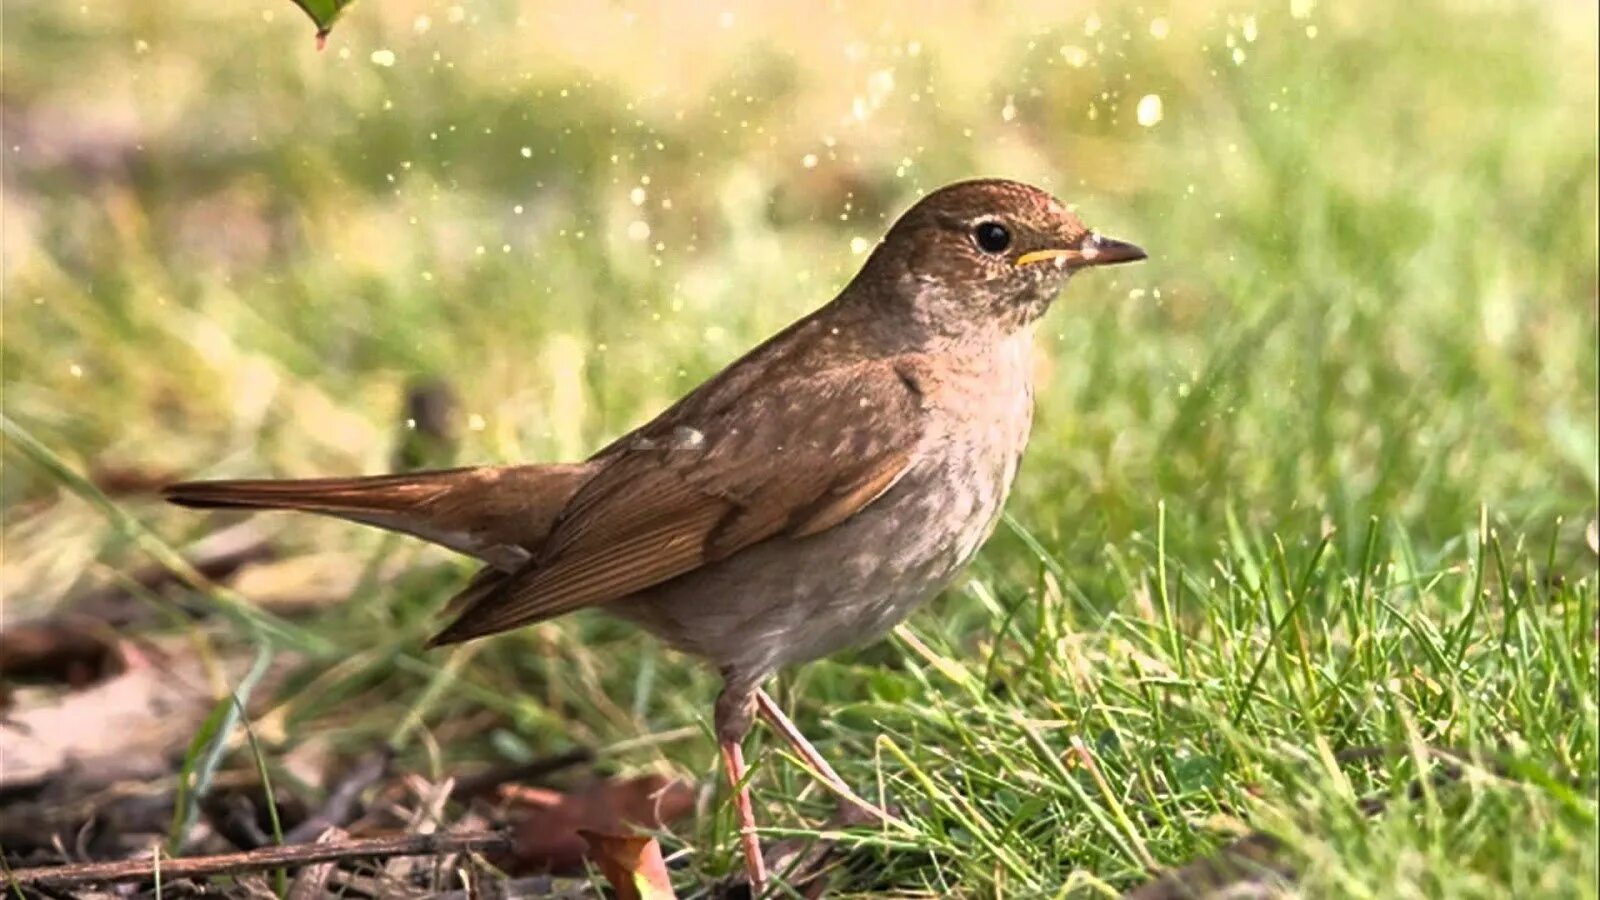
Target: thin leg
[[735, 712], [755, 867], [768, 709]]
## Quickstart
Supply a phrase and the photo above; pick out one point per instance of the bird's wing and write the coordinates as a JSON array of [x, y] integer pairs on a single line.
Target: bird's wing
[[707, 480]]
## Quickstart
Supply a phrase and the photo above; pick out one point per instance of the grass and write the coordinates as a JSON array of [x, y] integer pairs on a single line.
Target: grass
[[1313, 478]]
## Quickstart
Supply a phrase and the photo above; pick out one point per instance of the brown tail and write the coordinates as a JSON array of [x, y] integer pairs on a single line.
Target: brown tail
[[377, 493], [499, 514]]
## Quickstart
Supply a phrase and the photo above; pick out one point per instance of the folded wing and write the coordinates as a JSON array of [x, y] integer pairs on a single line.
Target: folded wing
[[707, 480]]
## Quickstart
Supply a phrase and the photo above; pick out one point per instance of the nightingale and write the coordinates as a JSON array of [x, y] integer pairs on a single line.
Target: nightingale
[[804, 499]]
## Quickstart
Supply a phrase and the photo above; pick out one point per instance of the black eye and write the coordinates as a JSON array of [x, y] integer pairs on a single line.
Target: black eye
[[992, 237]]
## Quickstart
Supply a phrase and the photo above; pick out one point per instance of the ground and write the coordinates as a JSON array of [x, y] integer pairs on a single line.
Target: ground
[[1299, 546]]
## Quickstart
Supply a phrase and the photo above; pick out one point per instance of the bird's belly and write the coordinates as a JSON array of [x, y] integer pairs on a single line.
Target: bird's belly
[[786, 601]]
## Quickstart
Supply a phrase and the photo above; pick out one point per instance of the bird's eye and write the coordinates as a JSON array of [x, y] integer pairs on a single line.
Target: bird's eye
[[992, 237]]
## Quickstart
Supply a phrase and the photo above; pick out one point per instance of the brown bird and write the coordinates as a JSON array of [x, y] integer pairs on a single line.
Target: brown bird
[[803, 500]]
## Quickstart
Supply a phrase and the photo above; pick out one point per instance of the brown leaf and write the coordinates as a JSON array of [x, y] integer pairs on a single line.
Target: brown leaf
[[632, 863], [70, 651], [128, 726], [546, 824]]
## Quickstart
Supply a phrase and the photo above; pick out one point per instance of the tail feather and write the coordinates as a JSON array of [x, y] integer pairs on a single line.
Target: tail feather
[[376, 493], [500, 514]]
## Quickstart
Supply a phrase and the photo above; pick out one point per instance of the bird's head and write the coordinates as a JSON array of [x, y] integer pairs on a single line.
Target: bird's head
[[989, 252]]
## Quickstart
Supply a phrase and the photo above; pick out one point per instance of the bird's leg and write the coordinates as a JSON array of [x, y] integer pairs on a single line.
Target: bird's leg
[[769, 710], [735, 712]]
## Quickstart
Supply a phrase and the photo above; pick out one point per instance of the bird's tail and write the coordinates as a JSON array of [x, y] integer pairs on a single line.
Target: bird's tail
[[335, 496], [496, 513]]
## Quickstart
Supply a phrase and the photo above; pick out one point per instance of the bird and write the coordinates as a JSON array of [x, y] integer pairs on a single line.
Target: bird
[[803, 500]]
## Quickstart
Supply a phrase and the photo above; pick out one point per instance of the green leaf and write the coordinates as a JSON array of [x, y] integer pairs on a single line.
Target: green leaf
[[322, 13], [187, 800], [205, 752]]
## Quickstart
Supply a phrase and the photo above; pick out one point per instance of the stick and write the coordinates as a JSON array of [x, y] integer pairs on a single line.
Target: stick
[[530, 886], [312, 882], [342, 800], [484, 782], [260, 859]]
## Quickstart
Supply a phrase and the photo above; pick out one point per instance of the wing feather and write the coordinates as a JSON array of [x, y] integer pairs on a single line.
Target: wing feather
[[790, 460]]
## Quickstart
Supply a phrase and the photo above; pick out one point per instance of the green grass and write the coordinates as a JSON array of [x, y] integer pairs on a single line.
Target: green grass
[[1313, 478]]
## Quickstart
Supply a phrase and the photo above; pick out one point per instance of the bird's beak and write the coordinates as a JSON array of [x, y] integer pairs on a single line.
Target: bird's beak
[[1090, 250]]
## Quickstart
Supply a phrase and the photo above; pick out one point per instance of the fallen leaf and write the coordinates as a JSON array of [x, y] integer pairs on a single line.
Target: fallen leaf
[[546, 824], [75, 652], [125, 727], [632, 864], [130, 725]]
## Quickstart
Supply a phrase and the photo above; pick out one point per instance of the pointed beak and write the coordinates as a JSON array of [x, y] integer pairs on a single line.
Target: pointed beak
[[1090, 250]]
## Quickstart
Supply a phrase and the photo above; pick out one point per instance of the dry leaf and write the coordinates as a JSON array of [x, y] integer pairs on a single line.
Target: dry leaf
[[545, 823], [129, 726], [69, 651], [633, 865], [125, 727]]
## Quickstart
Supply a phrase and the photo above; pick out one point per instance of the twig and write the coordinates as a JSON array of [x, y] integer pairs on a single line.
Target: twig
[[424, 820], [343, 799], [262, 859], [531, 886], [312, 882], [484, 782]]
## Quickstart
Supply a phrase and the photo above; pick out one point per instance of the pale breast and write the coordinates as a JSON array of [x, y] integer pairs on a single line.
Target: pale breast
[[790, 600]]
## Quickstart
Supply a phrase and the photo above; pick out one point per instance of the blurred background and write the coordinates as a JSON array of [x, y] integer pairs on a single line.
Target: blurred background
[[1372, 231], [480, 232]]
